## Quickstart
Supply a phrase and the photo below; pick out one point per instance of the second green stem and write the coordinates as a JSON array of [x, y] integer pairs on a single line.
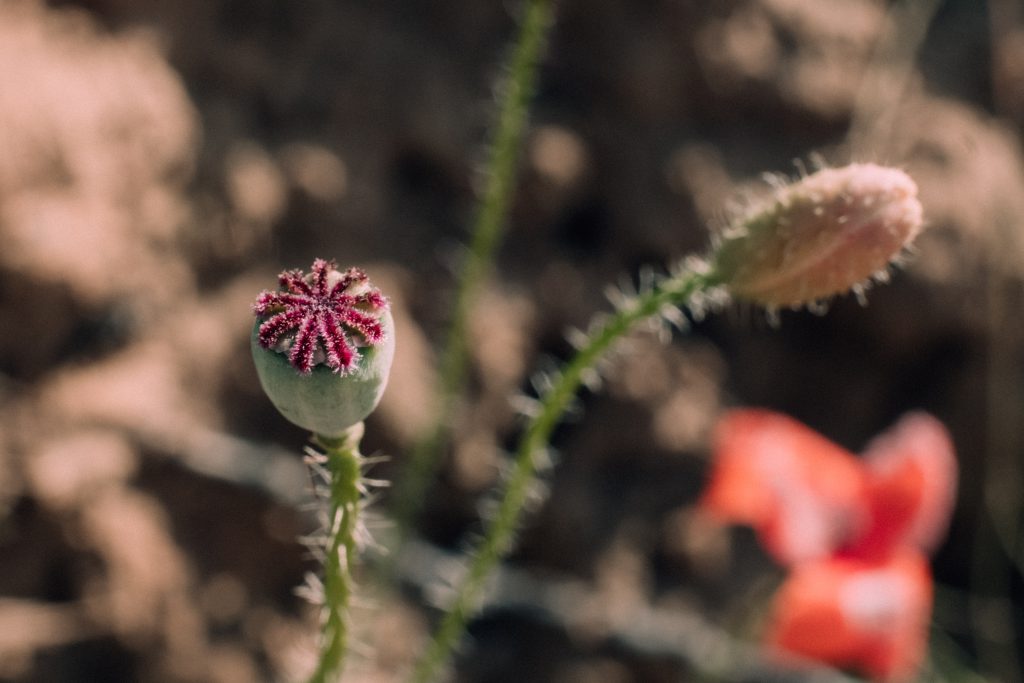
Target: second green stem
[[500, 175]]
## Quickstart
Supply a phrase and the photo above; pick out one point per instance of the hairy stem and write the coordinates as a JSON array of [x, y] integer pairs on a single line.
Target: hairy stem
[[342, 463], [500, 175], [674, 291]]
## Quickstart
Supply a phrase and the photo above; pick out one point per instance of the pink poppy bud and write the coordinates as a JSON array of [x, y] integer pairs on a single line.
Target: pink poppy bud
[[823, 235]]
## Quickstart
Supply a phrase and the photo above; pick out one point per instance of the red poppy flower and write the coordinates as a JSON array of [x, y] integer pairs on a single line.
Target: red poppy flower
[[855, 532]]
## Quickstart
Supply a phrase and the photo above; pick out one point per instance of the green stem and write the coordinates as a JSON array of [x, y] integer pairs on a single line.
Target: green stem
[[674, 291], [500, 174], [343, 467]]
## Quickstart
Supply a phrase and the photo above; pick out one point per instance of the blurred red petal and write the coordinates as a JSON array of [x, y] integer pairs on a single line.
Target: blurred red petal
[[801, 492], [871, 616], [911, 488]]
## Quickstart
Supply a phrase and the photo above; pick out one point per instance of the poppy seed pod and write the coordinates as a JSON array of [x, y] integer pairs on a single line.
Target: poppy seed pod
[[825, 234], [323, 347]]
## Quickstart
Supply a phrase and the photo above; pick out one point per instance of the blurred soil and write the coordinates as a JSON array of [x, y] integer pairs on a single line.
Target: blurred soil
[[161, 162]]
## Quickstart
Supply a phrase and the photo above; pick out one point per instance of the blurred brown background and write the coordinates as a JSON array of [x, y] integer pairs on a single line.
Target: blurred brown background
[[161, 162]]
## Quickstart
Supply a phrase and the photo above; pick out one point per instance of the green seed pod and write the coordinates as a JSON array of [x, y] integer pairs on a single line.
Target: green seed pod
[[324, 401], [323, 347]]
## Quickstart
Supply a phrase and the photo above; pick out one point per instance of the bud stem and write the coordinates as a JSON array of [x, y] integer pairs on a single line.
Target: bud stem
[[674, 291], [343, 466]]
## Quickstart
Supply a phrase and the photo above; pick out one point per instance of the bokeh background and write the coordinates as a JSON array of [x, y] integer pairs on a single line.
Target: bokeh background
[[161, 162]]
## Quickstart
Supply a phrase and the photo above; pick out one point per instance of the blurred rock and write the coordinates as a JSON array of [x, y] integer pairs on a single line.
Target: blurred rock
[[815, 55], [99, 139], [68, 472]]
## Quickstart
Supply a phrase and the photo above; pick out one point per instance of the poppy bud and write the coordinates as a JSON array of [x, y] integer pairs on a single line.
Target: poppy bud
[[822, 235]]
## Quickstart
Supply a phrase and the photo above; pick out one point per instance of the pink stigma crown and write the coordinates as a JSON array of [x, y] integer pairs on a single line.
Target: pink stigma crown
[[323, 317]]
